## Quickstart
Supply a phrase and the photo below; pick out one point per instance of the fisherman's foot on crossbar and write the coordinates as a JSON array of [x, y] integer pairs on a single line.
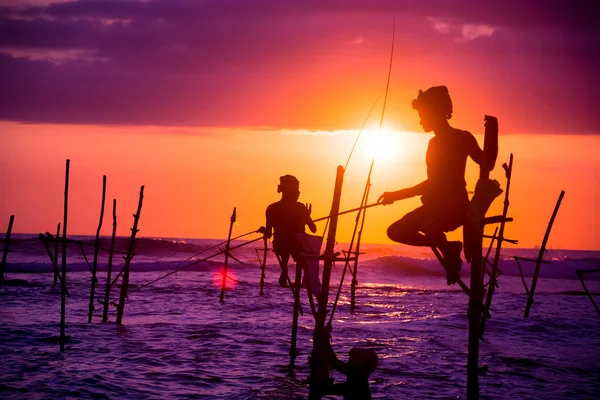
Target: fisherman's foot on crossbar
[[452, 270], [451, 260]]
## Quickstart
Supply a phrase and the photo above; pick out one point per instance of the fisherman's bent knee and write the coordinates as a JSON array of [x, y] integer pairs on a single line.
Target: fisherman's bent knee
[[398, 231]]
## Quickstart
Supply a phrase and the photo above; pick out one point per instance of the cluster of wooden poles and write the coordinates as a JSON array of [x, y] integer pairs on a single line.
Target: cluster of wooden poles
[[47, 239], [480, 293]]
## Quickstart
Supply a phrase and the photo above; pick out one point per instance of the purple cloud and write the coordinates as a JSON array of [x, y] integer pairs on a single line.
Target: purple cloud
[[226, 62]]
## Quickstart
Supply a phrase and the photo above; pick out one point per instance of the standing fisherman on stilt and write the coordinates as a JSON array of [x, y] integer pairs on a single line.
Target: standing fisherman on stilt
[[444, 194]]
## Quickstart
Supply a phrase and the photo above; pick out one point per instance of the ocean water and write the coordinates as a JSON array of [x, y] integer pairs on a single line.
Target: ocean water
[[178, 341]]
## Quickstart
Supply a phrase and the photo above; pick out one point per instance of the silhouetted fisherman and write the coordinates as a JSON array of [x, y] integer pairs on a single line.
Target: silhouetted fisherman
[[361, 364], [443, 193], [285, 220]]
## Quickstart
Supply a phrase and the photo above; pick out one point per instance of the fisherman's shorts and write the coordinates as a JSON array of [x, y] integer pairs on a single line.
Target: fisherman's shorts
[[432, 219]]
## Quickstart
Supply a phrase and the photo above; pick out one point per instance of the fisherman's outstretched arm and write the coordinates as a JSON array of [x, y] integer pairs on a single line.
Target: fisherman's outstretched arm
[[390, 197], [312, 226], [267, 230]]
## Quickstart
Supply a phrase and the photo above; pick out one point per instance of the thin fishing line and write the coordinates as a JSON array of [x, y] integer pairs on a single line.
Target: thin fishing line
[[361, 130]]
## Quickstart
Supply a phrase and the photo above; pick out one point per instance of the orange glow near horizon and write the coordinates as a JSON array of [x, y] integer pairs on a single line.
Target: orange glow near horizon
[[194, 178]]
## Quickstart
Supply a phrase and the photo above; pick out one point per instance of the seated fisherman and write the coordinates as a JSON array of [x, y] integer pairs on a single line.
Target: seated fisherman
[[443, 193], [285, 219]]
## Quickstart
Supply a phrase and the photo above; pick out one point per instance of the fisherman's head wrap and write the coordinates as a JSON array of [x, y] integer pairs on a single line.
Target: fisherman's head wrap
[[435, 99], [288, 182]]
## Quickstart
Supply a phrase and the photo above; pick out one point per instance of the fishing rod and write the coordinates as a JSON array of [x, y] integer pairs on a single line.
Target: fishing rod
[[361, 130], [365, 195], [349, 211], [195, 255], [350, 156], [194, 263]]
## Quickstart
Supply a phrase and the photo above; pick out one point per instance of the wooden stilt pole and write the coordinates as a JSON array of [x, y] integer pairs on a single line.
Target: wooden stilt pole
[[580, 276], [96, 246], [538, 264], [522, 275], [128, 258], [227, 249], [351, 249], [53, 259], [475, 308], [263, 265], [5, 251], [55, 263], [293, 349], [355, 269], [474, 313], [63, 282], [500, 239], [319, 365], [487, 255], [110, 263]]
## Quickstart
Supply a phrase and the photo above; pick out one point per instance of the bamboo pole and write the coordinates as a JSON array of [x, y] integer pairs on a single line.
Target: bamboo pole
[[475, 307], [337, 214], [227, 249], [499, 240], [263, 265], [355, 269], [293, 349], [487, 254], [522, 275], [128, 258], [319, 366], [474, 314], [96, 246], [363, 201], [55, 263], [53, 260], [580, 274], [5, 251], [110, 263], [63, 281], [538, 264]]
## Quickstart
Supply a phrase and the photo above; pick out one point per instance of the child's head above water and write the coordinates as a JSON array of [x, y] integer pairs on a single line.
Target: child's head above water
[[363, 360]]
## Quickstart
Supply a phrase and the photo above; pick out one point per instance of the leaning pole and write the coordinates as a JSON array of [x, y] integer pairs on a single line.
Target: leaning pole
[[319, 365]]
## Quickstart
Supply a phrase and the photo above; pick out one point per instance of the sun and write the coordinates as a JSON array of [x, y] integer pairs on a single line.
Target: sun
[[381, 144]]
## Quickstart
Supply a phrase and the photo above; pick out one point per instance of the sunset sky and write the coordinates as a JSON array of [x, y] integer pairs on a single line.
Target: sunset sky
[[207, 103]]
